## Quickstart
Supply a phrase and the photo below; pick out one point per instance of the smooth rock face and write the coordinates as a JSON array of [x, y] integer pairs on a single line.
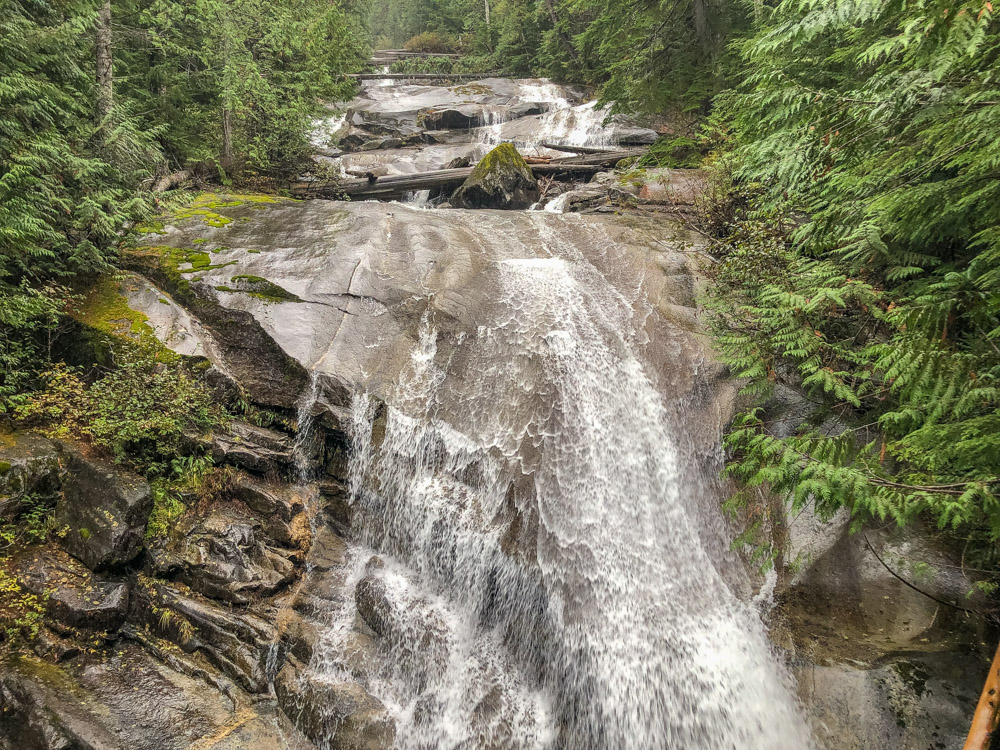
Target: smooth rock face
[[105, 508]]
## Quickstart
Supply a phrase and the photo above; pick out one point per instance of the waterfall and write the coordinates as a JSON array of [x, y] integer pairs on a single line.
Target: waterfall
[[543, 543]]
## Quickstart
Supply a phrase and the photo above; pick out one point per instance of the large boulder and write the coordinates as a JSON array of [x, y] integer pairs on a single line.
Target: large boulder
[[223, 555], [104, 510], [29, 465], [502, 179], [73, 595]]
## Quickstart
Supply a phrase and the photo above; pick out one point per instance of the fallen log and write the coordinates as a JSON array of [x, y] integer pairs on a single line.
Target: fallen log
[[168, 181], [417, 76], [986, 718], [395, 186], [406, 53], [579, 149], [607, 158]]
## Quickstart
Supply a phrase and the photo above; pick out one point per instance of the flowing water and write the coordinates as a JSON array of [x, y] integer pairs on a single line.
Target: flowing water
[[543, 546]]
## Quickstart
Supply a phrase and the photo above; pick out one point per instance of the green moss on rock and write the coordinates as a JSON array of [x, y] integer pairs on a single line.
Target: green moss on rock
[[501, 179], [257, 286], [105, 308]]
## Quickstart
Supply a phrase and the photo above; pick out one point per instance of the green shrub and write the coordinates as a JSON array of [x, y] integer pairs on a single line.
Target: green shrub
[[431, 41], [138, 412], [423, 65], [21, 612]]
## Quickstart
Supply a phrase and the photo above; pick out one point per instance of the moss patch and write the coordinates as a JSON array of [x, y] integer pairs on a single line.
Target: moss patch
[[257, 286], [5, 466], [504, 157], [105, 309], [207, 205]]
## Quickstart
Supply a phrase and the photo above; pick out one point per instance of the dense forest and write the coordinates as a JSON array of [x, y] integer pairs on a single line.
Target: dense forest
[[854, 211]]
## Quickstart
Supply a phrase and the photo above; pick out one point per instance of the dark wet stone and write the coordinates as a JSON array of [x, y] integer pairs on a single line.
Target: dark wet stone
[[29, 465], [239, 644], [373, 604], [129, 699], [222, 554], [341, 715], [257, 449], [105, 509], [73, 595], [279, 508]]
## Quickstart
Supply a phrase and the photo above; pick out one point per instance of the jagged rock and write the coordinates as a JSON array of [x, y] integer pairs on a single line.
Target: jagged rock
[[72, 594], [29, 465], [241, 645], [257, 449], [502, 179], [279, 508], [129, 699], [223, 556], [105, 509], [341, 714]]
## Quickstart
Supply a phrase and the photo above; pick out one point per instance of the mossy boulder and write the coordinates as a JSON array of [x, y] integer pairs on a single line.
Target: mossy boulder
[[502, 179]]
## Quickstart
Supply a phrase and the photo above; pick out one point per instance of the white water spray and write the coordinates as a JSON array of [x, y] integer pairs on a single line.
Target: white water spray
[[546, 564]]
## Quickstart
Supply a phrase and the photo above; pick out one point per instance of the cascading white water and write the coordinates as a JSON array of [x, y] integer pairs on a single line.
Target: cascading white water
[[543, 542]]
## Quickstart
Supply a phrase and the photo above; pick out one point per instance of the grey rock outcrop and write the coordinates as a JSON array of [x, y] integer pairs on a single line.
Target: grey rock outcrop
[[29, 465], [105, 509]]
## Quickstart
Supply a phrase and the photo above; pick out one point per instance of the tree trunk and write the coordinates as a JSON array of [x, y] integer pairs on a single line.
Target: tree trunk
[[984, 721], [227, 139], [701, 28], [567, 42], [105, 81], [487, 4]]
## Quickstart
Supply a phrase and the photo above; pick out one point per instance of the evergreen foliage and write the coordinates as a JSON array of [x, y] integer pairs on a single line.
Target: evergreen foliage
[[869, 129], [72, 182]]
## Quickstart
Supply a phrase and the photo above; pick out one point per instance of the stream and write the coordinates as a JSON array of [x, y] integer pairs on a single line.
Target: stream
[[537, 527]]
